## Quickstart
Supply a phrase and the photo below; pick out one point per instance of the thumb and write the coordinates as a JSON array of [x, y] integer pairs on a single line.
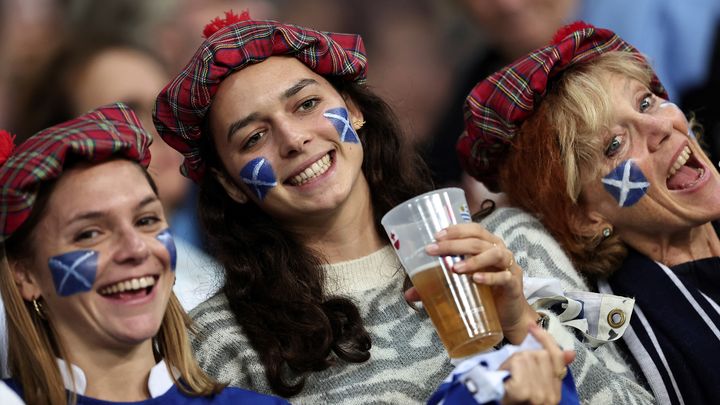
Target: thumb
[[568, 356]]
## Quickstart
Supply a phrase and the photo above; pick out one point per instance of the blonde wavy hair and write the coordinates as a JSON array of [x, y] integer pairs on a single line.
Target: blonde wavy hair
[[560, 147]]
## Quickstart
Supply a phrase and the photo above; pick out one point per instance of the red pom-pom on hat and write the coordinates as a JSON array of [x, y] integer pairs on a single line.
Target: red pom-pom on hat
[[569, 29], [7, 145], [218, 23]]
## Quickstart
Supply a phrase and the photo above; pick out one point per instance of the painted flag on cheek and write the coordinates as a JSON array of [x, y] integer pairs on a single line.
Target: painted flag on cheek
[[339, 118], [259, 175], [626, 183], [166, 238], [74, 272]]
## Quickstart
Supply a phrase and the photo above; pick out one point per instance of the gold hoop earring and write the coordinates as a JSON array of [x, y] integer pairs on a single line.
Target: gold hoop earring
[[357, 123], [38, 307]]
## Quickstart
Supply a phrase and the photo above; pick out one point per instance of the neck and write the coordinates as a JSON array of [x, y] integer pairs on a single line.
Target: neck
[[680, 247], [119, 375], [348, 232]]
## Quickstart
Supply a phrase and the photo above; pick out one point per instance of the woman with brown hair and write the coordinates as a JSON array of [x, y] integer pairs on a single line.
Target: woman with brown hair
[[297, 162], [580, 134], [87, 269]]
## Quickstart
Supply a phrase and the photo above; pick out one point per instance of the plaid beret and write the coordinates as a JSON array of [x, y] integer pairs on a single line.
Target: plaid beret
[[182, 105], [497, 106], [96, 136]]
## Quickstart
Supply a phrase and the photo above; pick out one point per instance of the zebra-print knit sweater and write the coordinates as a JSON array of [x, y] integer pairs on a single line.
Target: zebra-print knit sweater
[[408, 362]]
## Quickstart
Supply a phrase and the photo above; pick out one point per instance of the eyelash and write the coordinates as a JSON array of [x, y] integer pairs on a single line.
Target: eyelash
[[152, 218], [84, 235], [253, 139], [649, 98], [314, 102], [611, 153]]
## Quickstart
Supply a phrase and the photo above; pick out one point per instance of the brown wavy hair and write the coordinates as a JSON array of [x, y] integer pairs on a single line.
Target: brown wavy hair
[[559, 147], [274, 283]]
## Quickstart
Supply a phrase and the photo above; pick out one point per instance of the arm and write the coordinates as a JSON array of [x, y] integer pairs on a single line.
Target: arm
[[602, 375]]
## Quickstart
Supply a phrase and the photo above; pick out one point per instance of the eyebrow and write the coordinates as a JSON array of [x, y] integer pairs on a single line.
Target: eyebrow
[[98, 214], [243, 122]]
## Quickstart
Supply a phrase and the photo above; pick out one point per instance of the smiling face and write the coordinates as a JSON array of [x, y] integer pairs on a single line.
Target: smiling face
[[653, 178], [98, 263], [284, 135]]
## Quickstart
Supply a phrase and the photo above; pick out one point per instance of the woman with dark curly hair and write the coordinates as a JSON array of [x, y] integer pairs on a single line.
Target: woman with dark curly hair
[[297, 161]]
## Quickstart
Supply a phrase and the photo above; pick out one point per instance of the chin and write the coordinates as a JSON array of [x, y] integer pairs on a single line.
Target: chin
[[137, 331]]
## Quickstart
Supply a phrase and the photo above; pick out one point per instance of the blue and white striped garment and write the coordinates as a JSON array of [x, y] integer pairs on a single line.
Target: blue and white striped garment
[[675, 333]]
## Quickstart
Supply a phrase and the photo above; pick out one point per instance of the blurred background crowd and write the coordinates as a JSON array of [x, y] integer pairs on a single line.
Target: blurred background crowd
[[60, 58]]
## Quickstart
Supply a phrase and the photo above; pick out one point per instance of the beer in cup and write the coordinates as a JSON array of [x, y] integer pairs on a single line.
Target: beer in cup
[[462, 311]]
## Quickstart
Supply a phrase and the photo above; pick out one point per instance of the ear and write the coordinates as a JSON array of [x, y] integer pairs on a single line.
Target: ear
[[588, 223], [231, 188], [26, 283], [356, 115]]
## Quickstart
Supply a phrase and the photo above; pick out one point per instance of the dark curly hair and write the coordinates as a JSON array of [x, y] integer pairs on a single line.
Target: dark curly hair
[[274, 283]]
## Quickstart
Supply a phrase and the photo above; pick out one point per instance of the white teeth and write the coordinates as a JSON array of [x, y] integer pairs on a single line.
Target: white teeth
[[680, 162], [315, 169], [129, 285]]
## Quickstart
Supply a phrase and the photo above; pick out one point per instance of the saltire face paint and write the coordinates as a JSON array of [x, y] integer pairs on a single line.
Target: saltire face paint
[[74, 272], [166, 238], [339, 118], [626, 183], [259, 175]]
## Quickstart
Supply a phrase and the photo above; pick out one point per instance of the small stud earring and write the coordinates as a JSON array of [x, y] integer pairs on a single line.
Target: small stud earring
[[606, 232], [357, 123]]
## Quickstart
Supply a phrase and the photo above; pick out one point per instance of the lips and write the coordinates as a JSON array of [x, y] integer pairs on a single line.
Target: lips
[[685, 172], [313, 171]]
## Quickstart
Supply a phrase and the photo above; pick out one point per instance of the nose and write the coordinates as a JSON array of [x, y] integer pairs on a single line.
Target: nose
[[658, 130], [292, 139], [131, 247]]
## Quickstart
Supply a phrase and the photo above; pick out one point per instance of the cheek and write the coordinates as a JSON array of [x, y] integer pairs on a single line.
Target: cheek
[[74, 272], [259, 176], [626, 183], [339, 118], [166, 238]]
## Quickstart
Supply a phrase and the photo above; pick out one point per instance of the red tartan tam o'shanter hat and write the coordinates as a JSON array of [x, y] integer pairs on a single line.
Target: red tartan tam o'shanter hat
[[232, 44], [97, 136], [497, 106]]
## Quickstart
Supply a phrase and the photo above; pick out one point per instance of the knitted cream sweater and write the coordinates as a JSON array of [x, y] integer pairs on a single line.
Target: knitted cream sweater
[[407, 360]]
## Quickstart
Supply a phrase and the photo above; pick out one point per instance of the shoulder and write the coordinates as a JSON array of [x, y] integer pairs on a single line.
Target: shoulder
[[215, 331], [536, 251], [9, 393]]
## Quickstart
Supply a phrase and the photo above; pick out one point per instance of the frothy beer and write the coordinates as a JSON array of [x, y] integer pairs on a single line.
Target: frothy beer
[[463, 312]]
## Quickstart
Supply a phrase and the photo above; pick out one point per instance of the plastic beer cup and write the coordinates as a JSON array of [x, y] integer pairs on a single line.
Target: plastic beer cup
[[462, 311]]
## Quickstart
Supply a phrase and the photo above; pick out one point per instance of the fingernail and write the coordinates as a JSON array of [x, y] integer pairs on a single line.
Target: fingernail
[[432, 248], [459, 266], [478, 278], [440, 234]]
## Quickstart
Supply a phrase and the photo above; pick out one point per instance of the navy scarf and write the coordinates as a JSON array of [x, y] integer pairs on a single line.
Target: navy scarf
[[674, 333]]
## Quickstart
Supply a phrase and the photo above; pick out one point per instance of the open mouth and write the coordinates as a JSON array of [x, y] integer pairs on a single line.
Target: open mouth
[[315, 170], [686, 172], [131, 288]]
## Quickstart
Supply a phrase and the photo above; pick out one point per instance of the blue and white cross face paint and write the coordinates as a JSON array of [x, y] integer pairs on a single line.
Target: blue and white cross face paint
[[339, 118], [166, 238], [258, 175], [74, 272], [626, 183]]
